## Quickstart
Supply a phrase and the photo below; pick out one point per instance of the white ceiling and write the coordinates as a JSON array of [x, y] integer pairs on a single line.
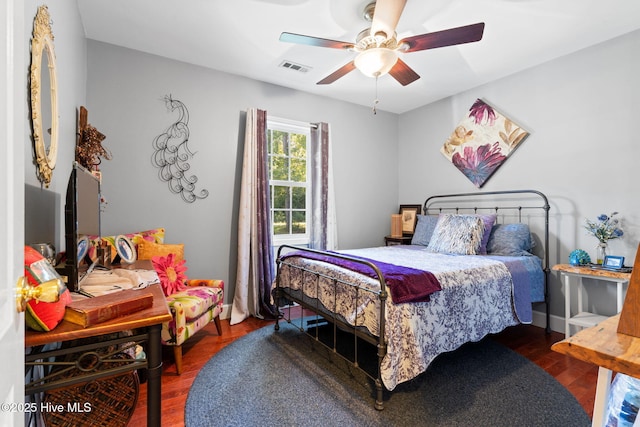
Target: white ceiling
[[241, 37]]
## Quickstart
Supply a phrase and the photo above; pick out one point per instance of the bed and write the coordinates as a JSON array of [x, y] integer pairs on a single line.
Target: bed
[[477, 263]]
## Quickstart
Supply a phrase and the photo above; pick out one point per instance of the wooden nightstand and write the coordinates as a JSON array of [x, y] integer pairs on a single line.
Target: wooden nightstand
[[404, 240]]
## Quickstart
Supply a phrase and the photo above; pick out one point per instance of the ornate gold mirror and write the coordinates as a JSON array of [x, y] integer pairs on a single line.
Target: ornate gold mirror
[[44, 100]]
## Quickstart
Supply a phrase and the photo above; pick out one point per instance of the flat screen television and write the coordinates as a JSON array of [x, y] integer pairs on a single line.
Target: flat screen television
[[82, 218]]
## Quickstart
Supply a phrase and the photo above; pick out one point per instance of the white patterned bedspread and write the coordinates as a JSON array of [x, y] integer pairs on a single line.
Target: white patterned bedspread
[[475, 300]]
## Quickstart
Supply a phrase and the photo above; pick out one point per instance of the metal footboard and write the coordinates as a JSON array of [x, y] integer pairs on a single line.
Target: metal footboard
[[329, 313]]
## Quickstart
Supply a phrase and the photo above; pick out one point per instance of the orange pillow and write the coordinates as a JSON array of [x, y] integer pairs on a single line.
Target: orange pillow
[[147, 250]]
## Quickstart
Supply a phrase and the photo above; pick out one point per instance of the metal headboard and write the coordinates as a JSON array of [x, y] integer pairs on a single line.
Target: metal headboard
[[500, 201]]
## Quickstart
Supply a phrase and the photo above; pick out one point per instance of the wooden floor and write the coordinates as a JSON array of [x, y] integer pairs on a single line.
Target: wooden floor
[[530, 341]]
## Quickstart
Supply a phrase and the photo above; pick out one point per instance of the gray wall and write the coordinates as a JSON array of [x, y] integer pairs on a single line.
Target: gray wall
[[582, 151], [125, 102]]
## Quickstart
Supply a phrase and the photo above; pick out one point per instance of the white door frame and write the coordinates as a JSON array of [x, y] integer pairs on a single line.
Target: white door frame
[[14, 134]]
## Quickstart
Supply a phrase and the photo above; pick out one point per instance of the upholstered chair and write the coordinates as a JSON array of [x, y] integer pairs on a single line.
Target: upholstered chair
[[192, 309]]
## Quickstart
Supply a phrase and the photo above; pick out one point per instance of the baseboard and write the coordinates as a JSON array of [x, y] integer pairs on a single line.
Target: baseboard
[[555, 322], [226, 312]]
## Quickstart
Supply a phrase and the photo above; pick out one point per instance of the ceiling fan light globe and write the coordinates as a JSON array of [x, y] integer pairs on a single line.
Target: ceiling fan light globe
[[376, 62]]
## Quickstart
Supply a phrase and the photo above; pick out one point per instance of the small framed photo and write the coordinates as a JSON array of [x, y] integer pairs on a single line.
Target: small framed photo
[[611, 261], [83, 248], [125, 249], [409, 218]]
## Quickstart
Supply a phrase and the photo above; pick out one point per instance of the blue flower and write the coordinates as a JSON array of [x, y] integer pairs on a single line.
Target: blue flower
[[605, 229]]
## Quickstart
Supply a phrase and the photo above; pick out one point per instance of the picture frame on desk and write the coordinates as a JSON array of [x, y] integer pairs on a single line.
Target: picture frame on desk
[[611, 261], [125, 250], [409, 218]]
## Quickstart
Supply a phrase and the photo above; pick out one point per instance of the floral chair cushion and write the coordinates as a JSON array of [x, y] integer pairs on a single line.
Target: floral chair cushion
[[192, 309]]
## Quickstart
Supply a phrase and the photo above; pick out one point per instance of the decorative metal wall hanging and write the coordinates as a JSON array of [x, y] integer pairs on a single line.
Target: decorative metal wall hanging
[[171, 154], [481, 142]]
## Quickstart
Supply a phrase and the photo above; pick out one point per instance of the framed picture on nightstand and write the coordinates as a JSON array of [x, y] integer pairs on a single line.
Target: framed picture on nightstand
[[611, 261], [409, 218]]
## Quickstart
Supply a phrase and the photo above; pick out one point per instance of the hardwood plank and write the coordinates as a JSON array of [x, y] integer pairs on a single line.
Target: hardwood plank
[[529, 341]]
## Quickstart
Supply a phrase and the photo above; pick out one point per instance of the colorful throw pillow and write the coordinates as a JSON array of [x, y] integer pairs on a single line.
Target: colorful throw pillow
[[457, 234], [155, 235], [424, 229], [43, 316], [510, 240], [171, 273], [148, 250]]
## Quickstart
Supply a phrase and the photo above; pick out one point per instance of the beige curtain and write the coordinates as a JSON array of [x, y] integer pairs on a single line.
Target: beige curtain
[[255, 253], [323, 225]]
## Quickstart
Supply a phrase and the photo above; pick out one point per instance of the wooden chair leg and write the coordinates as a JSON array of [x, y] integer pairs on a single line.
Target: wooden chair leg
[[218, 325], [177, 356]]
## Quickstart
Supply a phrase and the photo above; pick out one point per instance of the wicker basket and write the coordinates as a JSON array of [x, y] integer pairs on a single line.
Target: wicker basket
[[104, 402]]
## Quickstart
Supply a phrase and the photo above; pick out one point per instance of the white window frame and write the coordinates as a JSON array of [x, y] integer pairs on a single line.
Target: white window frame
[[290, 126]]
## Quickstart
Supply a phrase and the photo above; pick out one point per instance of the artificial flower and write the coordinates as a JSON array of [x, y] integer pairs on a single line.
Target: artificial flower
[[605, 228], [171, 273]]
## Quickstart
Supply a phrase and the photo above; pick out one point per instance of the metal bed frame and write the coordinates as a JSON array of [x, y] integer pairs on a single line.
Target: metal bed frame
[[432, 205]]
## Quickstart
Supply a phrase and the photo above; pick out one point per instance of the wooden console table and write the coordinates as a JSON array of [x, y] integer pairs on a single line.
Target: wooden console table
[[146, 325], [584, 318], [610, 350]]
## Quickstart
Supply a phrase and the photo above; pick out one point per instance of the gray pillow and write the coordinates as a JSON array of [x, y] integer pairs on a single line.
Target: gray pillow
[[457, 234], [424, 229], [510, 240]]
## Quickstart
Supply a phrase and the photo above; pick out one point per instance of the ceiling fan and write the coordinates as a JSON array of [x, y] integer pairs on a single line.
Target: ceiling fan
[[378, 47]]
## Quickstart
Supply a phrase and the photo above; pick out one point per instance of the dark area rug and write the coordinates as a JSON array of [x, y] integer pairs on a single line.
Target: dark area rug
[[284, 378]]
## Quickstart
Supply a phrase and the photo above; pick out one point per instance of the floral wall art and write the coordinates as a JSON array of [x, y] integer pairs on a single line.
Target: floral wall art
[[481, 142]]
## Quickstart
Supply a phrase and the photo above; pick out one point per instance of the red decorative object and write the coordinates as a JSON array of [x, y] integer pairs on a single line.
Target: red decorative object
[[171, 273], [43, 316]]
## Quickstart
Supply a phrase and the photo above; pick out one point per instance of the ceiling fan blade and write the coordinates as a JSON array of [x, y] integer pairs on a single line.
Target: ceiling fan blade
[[403, 73], [347, 68], [386, 16], [314, 41], [450, 37]]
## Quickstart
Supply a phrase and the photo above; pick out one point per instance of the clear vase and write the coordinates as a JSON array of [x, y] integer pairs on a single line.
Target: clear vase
[[601, 252]]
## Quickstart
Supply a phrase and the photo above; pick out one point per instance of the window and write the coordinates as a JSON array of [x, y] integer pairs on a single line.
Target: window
[[289, 181]]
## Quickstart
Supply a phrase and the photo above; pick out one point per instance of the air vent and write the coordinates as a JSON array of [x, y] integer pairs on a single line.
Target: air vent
[[295, 67]]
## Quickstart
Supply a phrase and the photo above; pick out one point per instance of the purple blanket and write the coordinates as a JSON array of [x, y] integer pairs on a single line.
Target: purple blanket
[[405, 284]]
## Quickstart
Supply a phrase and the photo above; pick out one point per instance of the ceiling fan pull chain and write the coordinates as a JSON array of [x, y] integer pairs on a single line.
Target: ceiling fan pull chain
[[375, 101]]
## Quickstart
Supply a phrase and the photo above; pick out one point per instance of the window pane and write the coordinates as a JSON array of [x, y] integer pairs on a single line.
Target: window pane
[[287, 149], [298, 145], [280, 222], [299, 225], [298, 199], [277, 142], [280, 197], [279, 168], [298, 170]]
